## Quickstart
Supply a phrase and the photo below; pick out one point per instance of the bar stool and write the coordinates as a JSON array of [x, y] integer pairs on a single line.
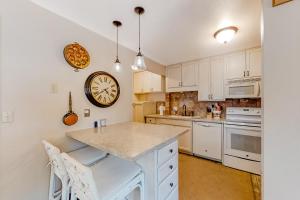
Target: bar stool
[[87, 156], [110, 179]]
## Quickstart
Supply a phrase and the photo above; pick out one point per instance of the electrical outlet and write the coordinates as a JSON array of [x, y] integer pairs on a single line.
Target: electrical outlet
[[87, 112], [102, 122]]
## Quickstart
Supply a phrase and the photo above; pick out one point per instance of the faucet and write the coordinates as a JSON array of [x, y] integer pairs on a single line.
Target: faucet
[[184, 110]]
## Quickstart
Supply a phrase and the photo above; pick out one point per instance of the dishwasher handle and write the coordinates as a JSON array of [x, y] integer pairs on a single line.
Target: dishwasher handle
[[203, 124]]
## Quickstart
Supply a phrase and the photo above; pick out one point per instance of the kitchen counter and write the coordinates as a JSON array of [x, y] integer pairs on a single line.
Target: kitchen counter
[[128, 140], [186, 118]]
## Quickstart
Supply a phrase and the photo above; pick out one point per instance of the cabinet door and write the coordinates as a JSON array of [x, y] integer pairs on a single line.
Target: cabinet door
[[173, 76], [235, 65], [207, 140], [138, 82], [217, 78], [146, 81], [204, 80], [155, 83], [189, 74], [254, 65], [185, 142]]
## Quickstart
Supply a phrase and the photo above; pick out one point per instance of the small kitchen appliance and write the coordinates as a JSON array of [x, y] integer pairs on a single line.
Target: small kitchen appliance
[[242, 139]]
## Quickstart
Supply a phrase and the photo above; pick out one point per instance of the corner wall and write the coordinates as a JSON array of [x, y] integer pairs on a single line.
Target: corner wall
[[281, 102], [32, 41]]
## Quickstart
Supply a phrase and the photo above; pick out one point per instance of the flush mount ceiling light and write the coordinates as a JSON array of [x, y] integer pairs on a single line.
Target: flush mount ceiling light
[[117, 64], [139, 62], [226, 34]]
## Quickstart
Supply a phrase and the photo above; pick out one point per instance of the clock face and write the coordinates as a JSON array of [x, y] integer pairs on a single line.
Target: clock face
[[102, 89]]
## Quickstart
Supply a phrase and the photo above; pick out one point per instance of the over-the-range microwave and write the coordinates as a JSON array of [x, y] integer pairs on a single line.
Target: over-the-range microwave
[[243, 89]]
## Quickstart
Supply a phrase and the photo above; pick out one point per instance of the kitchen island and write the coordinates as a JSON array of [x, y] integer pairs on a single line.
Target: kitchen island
[[153, 147]]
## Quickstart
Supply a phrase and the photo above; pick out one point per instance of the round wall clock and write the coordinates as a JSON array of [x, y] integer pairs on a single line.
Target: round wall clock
[[102, 89]]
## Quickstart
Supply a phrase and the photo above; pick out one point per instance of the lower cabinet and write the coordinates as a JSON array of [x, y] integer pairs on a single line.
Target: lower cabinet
[[167, 175], [207, 140], [174, 195], [185, 140]]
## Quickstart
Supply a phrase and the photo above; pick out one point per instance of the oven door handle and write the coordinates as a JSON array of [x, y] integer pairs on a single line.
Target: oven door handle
[[252, 128]]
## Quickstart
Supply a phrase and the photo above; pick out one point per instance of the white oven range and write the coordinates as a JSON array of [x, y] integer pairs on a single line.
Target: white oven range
[[242, 139]]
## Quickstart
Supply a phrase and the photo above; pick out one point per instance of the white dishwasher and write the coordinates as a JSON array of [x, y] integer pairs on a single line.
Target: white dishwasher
[[207, 140]]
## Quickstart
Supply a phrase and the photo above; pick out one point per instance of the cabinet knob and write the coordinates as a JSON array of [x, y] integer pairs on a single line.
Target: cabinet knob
[[171, 184], [205, 150], [171, 166], [247, 155], [171, 150]]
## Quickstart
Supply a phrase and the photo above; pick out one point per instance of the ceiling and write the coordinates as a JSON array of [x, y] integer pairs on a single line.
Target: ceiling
[[172, 30]]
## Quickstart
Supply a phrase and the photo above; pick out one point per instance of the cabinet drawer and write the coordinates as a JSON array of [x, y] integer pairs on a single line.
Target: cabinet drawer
[[174, 195], [150, 120], [167, 168], [174, 122], [167, 152], [167, 186]]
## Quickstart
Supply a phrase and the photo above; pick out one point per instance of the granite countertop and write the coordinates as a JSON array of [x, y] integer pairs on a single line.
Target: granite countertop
[[128, 140], [187, 118]]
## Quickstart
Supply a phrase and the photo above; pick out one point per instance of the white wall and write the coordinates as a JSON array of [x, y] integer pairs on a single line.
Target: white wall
[[281, 101], [32, 41]]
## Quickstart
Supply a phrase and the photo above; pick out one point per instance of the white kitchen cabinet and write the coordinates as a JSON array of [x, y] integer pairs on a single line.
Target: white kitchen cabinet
[[147, 82], [156, 83], [254, 66], [211, 79], [217, 78], [182, 77], [204, 80], [235, 65], [207, 140], [173, 75], [138, 82], [243, 64], [185, 140], [189, 74]]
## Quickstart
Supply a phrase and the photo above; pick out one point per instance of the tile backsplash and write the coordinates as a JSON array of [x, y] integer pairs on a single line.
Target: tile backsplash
[[190, 99]]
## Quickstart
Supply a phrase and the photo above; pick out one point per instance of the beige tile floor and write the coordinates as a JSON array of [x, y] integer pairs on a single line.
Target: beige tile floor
[[200, 179]]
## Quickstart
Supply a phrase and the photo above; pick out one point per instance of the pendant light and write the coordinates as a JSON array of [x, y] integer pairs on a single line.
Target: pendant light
[[117, 64], [139, 62]]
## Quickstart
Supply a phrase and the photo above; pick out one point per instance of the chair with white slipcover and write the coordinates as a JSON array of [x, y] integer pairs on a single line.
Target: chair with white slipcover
[[86, 155], [110, 179]]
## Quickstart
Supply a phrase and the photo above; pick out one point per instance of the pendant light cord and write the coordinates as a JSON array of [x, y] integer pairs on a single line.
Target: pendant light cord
[[139, 33], [117, 42]]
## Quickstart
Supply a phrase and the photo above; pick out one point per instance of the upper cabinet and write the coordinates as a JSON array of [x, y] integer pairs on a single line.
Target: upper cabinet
[[211, 79], [147, 82], [217, 78], [254, 64], [204, 80], [182, 77], [173, 76], [189, 76], [243, 64], [235, 65]]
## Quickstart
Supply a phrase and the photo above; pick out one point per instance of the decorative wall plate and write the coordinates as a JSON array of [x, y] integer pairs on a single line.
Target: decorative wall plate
[[77, 56]]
